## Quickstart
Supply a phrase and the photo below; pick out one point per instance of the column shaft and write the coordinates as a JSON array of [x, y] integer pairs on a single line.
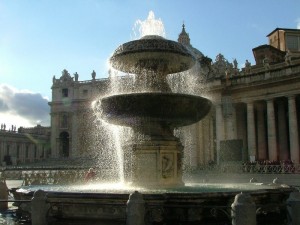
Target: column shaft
[[293, 129], [251, 132], [219, 129], [272, 148]]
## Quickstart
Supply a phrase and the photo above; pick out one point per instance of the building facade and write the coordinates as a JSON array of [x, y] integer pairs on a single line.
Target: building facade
[[25, 145], [255, 114]]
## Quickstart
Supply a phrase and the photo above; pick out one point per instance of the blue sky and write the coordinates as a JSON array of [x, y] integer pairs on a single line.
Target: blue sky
[[40, 38]]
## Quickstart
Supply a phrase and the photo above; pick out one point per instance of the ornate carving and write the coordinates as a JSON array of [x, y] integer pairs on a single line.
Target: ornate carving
[[247, 66], [93, 74], [266, 63], [64, 80], [76, 76], [222, 66], [156, 215], [167, 166], [93, 211]]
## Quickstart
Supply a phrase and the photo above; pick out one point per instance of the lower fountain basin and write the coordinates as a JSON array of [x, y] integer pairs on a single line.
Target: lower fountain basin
[[208, 204], [121, 188], [170, 109]]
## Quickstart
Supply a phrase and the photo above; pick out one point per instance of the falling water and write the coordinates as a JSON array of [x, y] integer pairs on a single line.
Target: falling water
[[111, 150]]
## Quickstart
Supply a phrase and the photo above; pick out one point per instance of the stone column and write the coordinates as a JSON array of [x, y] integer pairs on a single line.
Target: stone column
[[206, 139], [192, 133], [261, 132], [234, 121], [251, 132], [282, 134], [229, 117], [219, 129], [230, 129], [211, 140], [73, 144], [293, 129], [54, 135], [271, 130], [200, 142], [1, 153]]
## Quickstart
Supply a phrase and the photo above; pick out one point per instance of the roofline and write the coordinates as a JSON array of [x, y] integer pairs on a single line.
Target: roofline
[[286, 29], [267, 46]]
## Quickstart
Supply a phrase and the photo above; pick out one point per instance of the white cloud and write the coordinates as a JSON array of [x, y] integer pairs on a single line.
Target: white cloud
[[22, 107]]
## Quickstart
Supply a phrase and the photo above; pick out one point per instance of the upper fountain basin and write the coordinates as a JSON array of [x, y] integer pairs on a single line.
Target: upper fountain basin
[[152, 53], [172, 109]]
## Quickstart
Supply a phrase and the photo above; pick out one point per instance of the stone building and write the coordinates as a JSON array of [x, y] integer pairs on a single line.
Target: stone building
[[25, 145], [255, 114]]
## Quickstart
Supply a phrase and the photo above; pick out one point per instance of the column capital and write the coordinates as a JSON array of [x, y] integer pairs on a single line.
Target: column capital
[[249, 101], [250, 105], [269, 100], [291, 97], [218, 105]]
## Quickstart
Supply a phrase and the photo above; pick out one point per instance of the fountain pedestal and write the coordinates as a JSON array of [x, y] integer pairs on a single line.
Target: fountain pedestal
[[155, 162]]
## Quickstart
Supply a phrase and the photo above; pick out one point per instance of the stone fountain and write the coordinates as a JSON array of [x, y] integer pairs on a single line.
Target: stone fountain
[[156, 159]]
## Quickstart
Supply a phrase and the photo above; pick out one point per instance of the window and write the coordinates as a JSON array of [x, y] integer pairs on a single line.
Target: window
[[293, 42], [85, 92], [65, 92]]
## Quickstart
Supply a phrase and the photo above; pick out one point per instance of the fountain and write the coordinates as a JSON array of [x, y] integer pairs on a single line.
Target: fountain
[[153, 157], [157, 158]]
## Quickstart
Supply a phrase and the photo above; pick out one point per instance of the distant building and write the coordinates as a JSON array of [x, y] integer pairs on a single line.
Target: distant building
[[25, 145], [285, 39], [281, 42], [255, 114]]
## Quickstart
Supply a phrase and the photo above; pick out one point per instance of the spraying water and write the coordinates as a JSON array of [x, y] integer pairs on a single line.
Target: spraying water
[[150, 26]]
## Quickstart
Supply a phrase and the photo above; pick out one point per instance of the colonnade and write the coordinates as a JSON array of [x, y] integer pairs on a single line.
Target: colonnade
[[268, 127], [22, 151]]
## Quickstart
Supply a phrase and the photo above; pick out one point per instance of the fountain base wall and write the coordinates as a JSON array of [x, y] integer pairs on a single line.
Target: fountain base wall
[[209, 208]]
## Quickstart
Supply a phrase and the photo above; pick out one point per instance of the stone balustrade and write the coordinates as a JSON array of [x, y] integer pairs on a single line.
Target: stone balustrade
[[54, 176], [40, 176], [261, 74]]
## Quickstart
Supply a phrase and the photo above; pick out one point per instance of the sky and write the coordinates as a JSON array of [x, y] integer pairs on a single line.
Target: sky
[[41, 38]]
